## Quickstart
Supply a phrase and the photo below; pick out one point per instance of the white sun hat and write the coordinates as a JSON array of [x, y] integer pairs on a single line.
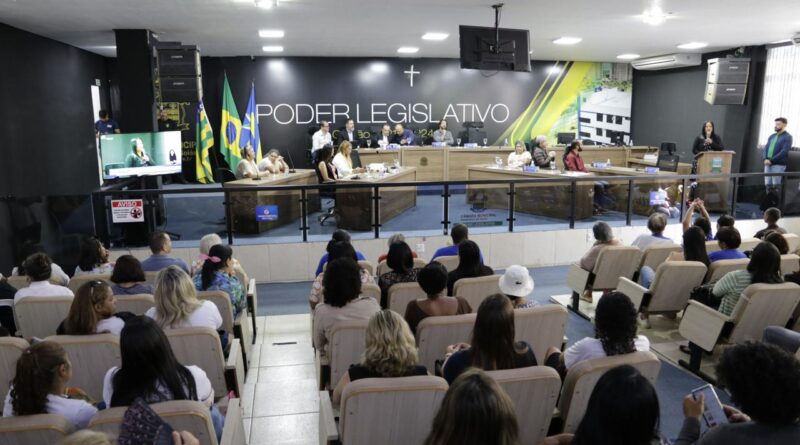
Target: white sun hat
[[516, 282]]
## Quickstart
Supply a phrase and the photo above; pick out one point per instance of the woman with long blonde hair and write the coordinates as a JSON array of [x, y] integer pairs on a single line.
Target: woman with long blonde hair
[[343, 162], [390, 352], [177, 305]]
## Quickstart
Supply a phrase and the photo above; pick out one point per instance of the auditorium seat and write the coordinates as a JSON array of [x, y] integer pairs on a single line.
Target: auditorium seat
[[10, 350], [252, 305], [35, 429], [583, 376], [371, 290], [718, 269], [182, 415], [402, 293], [200, 346], [790, 263], [18, 282], [656, 254], [749, 244], [136, 304], [91, 357], [670, 289], [40, 316], [347, 344], [449, 262], [238, 328], [76, 282], [386, 411], [419, 263], [435, 334], [793, 241], [475, 290], [534, 391], [542, 327], [760, 305], [366, 265], [150, 277], [612, 263]]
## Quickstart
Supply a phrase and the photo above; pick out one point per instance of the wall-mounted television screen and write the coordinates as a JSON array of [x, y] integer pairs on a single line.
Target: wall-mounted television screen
[[141, 154]]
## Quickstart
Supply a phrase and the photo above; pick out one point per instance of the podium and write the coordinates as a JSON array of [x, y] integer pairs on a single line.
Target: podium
[[714, 192]]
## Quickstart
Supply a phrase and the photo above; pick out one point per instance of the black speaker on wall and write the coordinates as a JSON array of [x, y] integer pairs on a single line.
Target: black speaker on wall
[[181, 89], [178, 61], [726, 81]]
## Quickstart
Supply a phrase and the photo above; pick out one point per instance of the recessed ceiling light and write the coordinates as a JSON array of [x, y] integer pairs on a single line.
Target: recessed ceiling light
[[272, 49], [265, 4], [628, 56], [379, 67], [555, 69], [693, 45], [567, 40], [654, 16], [407, 49], [435, 36], [271, 33]]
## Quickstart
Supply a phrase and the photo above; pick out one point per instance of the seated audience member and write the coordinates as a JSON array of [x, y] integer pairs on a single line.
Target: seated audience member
[[458, 233], [218, 274], [725, 220], [783, 338], [771, 217], [729, 241], [177, 305], [778, 240], [338, 235], [469, 265], [339, 249], [93, 259], [572, 159], [656, 224], [396, 238], [492, 346], [161, 246], [615, 328], [517, 283], [764, 267], [475, 411], [541, 157], [519, 157], [611, 419], [764, 382], [705, 225], [38, 270], [694, 249], [92, 311], [128, 277], [206, 243], [150, 370], [39, 386], [401, 262], [603, 238], [28, 249], [390, 352], [433, 280], [341, 289], [704, 222], [7, 292], [89, 437]]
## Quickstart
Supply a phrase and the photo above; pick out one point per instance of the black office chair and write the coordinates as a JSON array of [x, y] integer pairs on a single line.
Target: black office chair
[[310, 145], [668, 162], [356, 158], [224, 175], [329, 193]]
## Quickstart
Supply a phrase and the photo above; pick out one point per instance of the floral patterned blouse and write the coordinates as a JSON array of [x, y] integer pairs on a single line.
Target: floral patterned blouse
[[229, 284]]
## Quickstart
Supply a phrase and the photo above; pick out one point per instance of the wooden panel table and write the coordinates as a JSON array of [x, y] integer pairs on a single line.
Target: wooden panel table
[[460, 159], [551, 199], [641, 189], [354, 206], [683, 167], [430, 162], [288, 202]]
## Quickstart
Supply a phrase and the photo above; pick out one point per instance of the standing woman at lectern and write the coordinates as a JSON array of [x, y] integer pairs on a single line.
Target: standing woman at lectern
[[708, 140]]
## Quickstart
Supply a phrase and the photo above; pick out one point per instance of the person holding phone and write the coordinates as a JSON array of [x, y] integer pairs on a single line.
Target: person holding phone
[[764, 381]]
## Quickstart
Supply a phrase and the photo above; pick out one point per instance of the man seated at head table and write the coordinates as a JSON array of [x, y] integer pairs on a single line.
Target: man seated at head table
[[442, 134], [402, 136], [349, 134], [383, 138]]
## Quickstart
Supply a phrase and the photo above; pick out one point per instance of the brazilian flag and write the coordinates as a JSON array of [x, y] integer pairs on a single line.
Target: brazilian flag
[[231, 128], [203, 145]]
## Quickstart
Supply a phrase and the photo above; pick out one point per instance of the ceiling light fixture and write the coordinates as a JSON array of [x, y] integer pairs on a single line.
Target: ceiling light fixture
[[654, 16], [628, 56], [407, 50], [693, 45], [567, 40], [272, 49], [435, 36], [266, 4], [379, 67], [555, 69], [271, 33]]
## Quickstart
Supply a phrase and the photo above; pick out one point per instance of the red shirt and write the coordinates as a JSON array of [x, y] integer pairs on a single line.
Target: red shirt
[[574, 162]]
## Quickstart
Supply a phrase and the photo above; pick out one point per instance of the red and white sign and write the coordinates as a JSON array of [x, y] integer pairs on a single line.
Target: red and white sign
[[127, 211]]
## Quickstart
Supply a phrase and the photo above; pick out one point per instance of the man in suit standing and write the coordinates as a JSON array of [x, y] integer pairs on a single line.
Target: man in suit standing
[[349, 134]]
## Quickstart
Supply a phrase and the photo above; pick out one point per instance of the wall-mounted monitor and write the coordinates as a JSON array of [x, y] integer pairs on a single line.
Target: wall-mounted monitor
[[141, 154], [493, 49]]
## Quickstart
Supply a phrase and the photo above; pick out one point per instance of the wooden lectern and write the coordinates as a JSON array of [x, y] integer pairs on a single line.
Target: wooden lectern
[[714, 192]]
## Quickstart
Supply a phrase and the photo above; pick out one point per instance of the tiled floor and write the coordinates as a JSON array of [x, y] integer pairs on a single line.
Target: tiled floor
[[280, 403]]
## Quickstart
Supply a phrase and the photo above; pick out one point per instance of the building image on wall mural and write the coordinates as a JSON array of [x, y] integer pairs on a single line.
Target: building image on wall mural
[[589, 100]]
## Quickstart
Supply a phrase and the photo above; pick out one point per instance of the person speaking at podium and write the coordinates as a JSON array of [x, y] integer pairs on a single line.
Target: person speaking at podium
[[138, 157], [708, 140], [402, 136]]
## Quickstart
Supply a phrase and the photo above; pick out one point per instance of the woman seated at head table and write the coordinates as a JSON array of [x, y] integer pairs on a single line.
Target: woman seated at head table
[[273, 163], [327, 171], [343, 162], [247, 167], [520, 157]]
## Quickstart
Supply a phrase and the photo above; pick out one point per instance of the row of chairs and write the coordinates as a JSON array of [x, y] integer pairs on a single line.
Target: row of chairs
[[401, 410]]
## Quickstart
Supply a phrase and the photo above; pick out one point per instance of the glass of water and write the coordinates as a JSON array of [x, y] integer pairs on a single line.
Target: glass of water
[[498, 160], [458, 142], [485, 141], [397, 163]]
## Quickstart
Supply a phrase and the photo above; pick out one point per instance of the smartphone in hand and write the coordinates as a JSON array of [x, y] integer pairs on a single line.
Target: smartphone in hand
[[713, 413]]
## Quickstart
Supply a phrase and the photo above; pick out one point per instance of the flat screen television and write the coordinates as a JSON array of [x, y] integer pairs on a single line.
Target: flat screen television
[[141, 154], [482, 50]]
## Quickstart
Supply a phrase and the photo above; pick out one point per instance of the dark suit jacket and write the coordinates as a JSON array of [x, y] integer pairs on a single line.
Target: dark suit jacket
[[342, 136]]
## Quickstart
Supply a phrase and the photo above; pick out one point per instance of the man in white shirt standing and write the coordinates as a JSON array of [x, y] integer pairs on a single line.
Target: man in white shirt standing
[[321, 138]]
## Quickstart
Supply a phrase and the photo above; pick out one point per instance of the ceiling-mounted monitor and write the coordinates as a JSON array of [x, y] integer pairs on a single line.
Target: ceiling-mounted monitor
[[494, 49]]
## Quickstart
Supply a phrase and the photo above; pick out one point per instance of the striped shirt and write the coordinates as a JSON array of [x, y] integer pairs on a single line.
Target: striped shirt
[[730, 288]]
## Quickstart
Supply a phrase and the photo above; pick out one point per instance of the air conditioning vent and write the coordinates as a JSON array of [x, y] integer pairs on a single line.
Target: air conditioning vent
[[667, 62]]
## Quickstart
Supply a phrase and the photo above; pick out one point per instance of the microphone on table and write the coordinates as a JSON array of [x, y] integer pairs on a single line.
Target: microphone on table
[[291, 169]]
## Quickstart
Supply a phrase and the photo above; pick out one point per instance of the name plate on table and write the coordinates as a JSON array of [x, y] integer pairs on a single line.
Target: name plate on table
[[600, 165], [471, 145], [530, 168], [438, 144], [650, 157], [651, 170], [267, 213], [392, 147]]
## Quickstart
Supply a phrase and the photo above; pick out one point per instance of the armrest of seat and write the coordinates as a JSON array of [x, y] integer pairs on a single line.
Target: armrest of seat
[[241, 330], [252, 305], [233, 431], [234, 369], [634, 291], [702, 325], [577, 278], [327, 420]]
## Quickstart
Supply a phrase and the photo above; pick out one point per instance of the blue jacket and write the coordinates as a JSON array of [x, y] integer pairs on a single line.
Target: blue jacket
[[781, 154]]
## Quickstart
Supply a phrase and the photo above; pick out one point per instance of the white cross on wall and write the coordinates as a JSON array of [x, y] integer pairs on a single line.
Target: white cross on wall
[[411, 73]]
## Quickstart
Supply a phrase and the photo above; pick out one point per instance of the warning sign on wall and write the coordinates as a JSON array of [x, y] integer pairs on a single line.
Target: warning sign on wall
[[127, 211]]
